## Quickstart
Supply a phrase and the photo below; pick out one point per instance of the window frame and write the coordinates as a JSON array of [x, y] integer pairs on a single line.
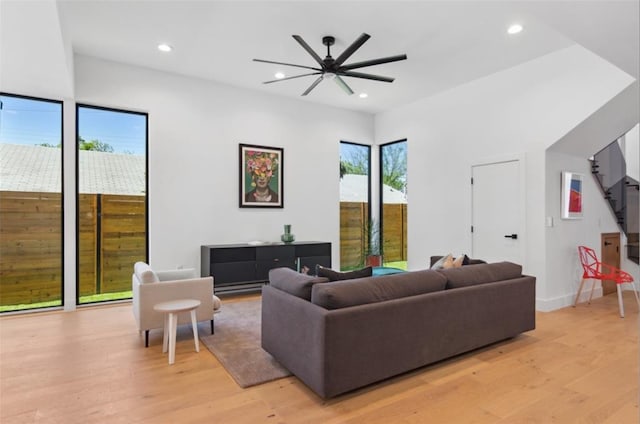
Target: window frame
[[381, 183], [62, 200], [369, 170], [77, 189]]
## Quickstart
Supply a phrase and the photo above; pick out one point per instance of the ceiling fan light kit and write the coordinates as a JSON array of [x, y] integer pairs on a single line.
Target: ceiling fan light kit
[[335, 69]]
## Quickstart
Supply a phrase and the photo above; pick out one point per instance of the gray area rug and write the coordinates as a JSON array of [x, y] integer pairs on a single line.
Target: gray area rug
[[236, 344]]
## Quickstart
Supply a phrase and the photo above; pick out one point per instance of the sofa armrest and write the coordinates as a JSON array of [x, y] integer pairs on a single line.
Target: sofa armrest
[[145, 296], [293, 331]]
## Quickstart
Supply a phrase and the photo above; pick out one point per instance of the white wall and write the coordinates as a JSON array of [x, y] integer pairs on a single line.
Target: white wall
[[520, 111], [563, 264], [33, 56], [195, 127]]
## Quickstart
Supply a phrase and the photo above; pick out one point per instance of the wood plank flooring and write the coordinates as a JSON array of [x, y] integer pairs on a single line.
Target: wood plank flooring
[[90, 366]]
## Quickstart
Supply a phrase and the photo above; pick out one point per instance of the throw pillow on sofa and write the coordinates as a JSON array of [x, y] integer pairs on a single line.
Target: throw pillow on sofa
[[439, 264], [339, 276], [449, 262], [465, 261]]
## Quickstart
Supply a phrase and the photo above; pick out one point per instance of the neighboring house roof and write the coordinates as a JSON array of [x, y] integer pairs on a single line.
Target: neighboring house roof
[[353, 188], [37, 168]]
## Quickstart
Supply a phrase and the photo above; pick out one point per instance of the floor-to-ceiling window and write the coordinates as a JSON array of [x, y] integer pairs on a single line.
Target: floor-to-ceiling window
[[31, 213], [112, 200], [393, 203], [355, 209]]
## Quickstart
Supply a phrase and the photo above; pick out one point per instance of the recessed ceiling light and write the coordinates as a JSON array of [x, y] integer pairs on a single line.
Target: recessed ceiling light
[[514, 29], [279, 75], [363, 95], [164, 47]]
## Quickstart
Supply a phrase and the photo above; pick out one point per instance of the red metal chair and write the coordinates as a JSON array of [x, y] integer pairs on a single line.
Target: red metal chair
[[596, 270]]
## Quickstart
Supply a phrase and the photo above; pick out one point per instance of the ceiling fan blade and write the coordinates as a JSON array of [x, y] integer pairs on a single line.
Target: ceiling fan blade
[[343, 85], [309, 50], [286, 64], [288, 78], [352, 48], [366, 76], [312, 86], [374, 62]]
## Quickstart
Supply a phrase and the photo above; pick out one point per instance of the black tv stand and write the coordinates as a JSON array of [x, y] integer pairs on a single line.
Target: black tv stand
[[244, 268]]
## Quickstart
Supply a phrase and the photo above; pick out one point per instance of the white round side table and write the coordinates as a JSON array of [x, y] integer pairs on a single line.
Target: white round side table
[[171, 310]]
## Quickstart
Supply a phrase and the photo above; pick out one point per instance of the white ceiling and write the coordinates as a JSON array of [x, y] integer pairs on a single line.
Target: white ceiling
[[447, 43]]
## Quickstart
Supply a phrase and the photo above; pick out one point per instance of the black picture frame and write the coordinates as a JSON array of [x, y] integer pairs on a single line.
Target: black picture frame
[[257, 164]]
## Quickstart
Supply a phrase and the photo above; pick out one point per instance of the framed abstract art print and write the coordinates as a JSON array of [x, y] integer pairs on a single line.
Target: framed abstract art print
[[572, 201]]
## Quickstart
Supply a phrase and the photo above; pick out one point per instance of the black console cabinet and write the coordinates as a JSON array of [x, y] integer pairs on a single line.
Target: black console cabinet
[[238, 268]]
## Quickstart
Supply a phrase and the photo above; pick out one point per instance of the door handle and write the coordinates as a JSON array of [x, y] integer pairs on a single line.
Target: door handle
[[511, 236]]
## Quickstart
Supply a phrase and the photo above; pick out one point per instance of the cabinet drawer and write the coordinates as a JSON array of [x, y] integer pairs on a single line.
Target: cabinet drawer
[[263, 267], [233, 254], [267, 253], [318, 249], [232, 272]]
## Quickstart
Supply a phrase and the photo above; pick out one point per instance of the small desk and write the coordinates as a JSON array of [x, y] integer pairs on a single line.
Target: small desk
[[171, 310]]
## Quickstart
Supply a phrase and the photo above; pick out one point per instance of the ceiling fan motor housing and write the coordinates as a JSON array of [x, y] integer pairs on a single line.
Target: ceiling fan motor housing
[[328, 40]]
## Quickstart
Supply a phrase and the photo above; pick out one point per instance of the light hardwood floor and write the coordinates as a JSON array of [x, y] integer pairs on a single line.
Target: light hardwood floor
[[90, 366]]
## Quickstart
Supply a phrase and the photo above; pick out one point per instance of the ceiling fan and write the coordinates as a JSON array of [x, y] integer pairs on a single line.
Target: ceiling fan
[[335, 69]]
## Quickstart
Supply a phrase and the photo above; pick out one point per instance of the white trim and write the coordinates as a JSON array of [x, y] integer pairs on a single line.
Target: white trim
[[548, 305]]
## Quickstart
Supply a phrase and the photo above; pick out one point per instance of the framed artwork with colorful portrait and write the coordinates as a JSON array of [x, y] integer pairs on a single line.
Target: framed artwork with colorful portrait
[[261, 182]]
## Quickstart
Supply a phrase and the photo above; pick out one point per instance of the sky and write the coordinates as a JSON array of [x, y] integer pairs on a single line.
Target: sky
[[348, 151], [34, 122]]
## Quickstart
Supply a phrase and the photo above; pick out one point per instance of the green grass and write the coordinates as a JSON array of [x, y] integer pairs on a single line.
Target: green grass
[[397, 264], [25, 306], [103, 297]]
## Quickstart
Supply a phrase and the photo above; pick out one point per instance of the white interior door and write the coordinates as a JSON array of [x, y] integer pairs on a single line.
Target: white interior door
[[497, 212]]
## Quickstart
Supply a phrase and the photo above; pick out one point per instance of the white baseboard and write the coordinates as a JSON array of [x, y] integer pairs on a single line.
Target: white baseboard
[[548, 305]]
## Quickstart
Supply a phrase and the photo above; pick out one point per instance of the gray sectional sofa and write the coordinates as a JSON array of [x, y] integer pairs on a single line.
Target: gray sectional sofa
[[343, 335]]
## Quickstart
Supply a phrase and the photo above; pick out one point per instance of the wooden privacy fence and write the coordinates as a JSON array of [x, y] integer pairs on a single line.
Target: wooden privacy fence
[[30, 247], [112, 238], [353, 218]]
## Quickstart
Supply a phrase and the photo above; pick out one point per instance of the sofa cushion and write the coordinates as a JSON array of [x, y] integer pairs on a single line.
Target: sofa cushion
[[293, 282], [480, 274], [338, 276], [144, 273], [360, 291]]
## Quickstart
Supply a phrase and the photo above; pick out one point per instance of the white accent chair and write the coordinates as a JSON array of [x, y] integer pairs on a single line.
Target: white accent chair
[[151, 287]]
